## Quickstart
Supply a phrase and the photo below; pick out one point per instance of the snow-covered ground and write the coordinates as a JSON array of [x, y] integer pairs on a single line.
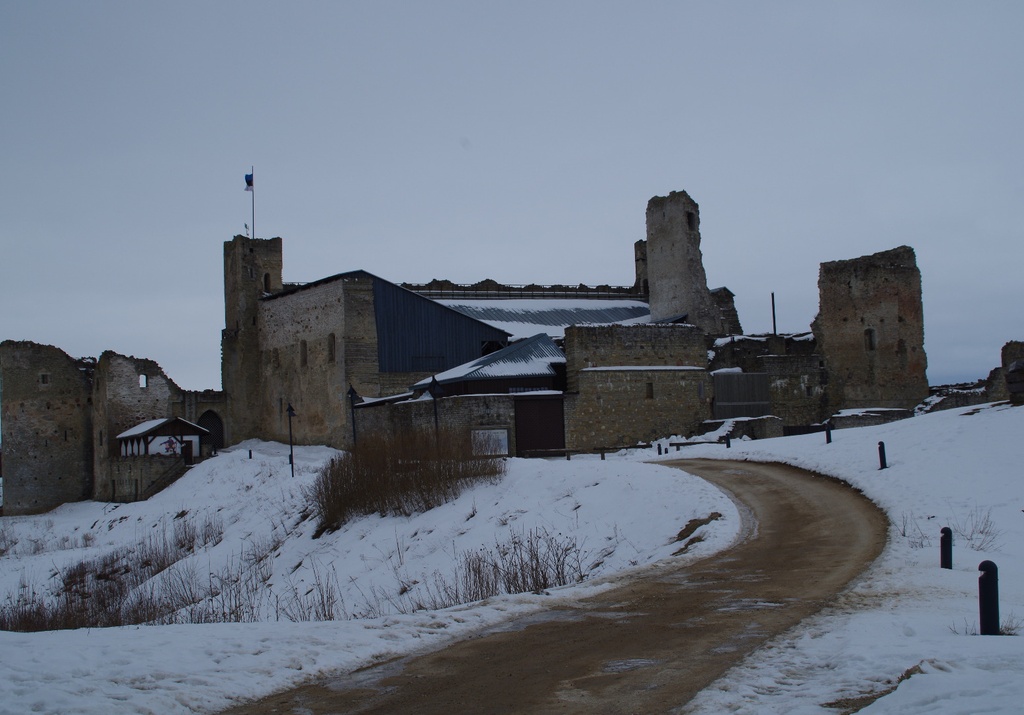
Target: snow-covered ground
[[958, 468]]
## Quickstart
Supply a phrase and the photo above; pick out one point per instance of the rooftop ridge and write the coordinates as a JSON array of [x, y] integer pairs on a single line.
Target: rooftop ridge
[[490, 289]]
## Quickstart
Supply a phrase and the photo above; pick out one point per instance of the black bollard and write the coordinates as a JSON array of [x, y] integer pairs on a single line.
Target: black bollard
[[828, 433], [881, 455], [659, 449], [946, 548], [988, 598], [728, 442], [250, 454]]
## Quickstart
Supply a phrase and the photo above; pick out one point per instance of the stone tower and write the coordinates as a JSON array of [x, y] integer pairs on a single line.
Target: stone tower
[[252, 269], [672, 265], [870, 330]]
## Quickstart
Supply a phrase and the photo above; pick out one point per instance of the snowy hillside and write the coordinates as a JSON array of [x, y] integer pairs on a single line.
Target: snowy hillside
[[248, 523], [253, 532]]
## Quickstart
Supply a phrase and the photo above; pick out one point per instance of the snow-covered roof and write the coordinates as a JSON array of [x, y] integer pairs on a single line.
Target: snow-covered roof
[[642, 368], [532, 357], [150, 426], [523, 317]]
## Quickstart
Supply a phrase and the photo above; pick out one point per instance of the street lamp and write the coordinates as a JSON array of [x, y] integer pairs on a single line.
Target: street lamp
[[435, 391], [291, 443], [353, 400]]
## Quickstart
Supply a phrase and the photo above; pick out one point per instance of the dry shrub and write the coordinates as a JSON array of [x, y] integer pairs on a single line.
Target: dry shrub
[[532, 560], [142, 583], [398, 476]]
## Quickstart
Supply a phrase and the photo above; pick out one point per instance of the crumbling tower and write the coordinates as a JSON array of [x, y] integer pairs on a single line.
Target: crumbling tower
[[870, 330], [672, 266]]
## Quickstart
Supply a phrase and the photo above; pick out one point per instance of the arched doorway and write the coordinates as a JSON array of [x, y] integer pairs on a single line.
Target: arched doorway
[[212, 422]]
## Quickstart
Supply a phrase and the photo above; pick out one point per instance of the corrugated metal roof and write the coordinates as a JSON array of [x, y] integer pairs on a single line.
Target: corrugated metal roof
[[527, 358], [522, 317]]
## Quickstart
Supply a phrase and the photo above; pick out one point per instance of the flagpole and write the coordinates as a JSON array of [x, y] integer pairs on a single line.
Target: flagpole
[[252, 169]]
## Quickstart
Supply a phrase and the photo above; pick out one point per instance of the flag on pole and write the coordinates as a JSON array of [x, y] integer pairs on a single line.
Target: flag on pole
[[248, 182]]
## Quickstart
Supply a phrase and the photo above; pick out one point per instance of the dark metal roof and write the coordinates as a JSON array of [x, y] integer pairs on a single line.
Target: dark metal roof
[[415, 334]]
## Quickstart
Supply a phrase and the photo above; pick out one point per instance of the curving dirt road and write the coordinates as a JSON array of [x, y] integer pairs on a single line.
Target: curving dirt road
[[654, 641]]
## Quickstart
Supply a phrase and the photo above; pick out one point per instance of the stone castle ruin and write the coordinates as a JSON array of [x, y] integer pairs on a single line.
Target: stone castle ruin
[[578, 369]]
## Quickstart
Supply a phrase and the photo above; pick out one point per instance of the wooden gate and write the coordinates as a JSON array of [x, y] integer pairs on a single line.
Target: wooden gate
[[540, 423]]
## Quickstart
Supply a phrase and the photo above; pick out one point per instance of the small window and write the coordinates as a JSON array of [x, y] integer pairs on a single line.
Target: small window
[[303, 354], [650, 390], [869, 339], [143, 381], [331, 348], [44, 378], [691, 221], [266, 282]]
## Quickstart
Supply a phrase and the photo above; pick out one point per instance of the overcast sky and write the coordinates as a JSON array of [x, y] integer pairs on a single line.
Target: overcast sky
[[518, 141]]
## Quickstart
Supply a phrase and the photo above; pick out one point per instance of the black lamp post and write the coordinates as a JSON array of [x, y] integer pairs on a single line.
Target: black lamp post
[[353, 400], [435, 391], [291, 443]]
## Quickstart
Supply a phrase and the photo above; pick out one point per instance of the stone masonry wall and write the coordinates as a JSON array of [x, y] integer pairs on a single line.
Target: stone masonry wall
[[1012, 352], [315, 343], [302, 363], [252, 269], [618, 407], [796, 388], [461, 413], [45, 400], [633, 346], [870, 330]]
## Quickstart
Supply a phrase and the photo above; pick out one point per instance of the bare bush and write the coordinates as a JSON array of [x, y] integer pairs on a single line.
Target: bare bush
[[319, 601], [978, 530], [531, 560], [398, 476], [1008, 626], [909, 528], [152, 581]]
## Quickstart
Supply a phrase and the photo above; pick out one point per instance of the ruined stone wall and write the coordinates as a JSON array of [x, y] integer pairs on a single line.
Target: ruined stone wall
[[725, 299], [746, 351], [870, 330], [1012, 352], [127, 391], [620, 406], [631, 345], [742, 351], [796, 388], [675, 267], [641, 285], [45, 413]]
